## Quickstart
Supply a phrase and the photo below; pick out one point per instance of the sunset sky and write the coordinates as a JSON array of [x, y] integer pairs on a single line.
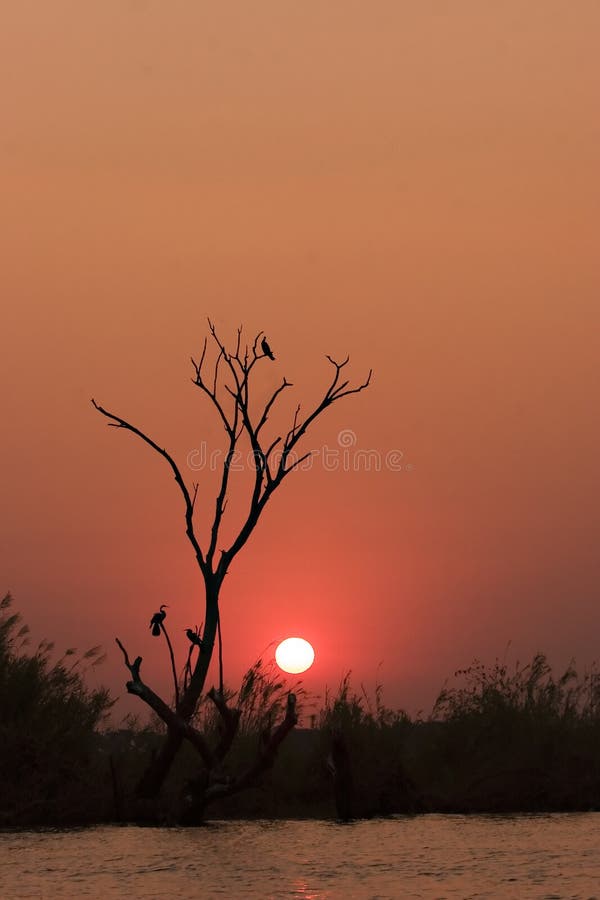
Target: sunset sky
[[415, 184]]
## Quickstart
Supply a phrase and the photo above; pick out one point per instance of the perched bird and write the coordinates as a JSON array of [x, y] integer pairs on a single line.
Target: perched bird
[[193, 637], [157, 619], [266, 349]]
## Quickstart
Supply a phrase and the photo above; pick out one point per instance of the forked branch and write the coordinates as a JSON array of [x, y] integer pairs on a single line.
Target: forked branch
[[171, 719], [267, 750], [267, 476], [230, 723], [334, 392]]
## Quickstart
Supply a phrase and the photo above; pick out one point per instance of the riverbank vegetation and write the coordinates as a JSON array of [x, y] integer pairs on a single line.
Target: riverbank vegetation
[[50, 771], [498, 739]]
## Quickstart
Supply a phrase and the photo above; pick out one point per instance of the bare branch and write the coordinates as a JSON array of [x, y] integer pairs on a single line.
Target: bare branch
[[270, 449], [265, 758], [134, 667], [269, 405], [221, 500], [292, 430], [203, 351], [355, 390], [240, 396], [216, 374], [198, 366], [297, 462], [255, 345], [231, 721], [172, 656], [220, 636], [212, 392], [172, 720], [260, 496], [187, 671], [189, 506], [334, 392], [338, 368]]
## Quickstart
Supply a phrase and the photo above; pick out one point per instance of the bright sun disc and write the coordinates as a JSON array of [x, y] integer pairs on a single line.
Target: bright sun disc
[[294, 655]]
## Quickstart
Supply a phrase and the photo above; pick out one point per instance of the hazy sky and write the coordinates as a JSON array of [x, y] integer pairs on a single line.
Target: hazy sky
[[413, 183]]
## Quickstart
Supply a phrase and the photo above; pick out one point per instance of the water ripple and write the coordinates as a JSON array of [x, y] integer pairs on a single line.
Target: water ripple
[[553, 857]]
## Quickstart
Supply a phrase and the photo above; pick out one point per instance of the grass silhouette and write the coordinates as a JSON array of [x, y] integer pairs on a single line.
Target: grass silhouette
[[498, 739]]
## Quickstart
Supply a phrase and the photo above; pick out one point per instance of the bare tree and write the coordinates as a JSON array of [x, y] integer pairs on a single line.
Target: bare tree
[[228, 388]]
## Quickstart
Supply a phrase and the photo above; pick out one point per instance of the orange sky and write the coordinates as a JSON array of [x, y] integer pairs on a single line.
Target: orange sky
[[415, 183]]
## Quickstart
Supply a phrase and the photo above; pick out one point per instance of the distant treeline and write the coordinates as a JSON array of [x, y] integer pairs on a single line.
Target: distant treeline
[[498, 740]]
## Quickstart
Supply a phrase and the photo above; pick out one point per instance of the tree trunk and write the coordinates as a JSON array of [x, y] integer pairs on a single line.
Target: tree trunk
[[153, 778], [343, 780], [156, 773]]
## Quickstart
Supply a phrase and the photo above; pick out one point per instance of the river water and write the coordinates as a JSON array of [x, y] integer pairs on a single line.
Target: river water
[[551, 856]]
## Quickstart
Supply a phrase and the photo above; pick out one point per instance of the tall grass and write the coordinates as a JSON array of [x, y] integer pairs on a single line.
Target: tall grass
[[520, 739], [498, 739], [47, 727]]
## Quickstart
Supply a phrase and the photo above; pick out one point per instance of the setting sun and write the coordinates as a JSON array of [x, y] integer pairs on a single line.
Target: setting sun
[[294, 655]]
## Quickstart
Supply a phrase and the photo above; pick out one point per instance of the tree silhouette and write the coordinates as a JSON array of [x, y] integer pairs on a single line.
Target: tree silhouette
[[228, 388]]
